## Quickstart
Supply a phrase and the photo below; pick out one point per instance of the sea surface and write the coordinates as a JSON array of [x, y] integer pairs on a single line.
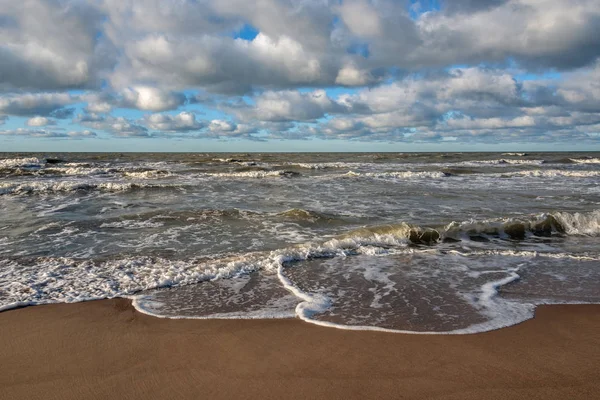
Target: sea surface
[[408, 242]]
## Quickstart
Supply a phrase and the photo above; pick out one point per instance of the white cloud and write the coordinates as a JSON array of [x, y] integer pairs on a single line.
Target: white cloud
[[349, 75], [182, 122], [219, 125], [289, 106], [151, 99], [151, 55], [40, 121]]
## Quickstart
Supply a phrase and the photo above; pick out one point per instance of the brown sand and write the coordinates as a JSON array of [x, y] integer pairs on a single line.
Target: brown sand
[[106, 350]]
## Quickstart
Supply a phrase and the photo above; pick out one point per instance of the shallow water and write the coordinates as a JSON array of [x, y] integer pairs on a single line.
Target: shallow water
[[428, 242]]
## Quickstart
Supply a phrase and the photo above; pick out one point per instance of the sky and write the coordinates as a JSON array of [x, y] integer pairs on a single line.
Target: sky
[[299, 75]]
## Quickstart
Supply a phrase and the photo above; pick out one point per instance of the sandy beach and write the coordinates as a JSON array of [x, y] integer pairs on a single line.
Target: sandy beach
[[107, 350]]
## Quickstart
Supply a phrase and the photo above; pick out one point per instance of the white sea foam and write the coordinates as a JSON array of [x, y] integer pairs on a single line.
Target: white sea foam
[[151, 174], [249, 174], [132, 224], [555, 173], [327, 165], [70, 186], [398, 174], [48, 280], [64, 280], [499, 312], [79, 170], [29, 162], [501, 162], [586, 160]]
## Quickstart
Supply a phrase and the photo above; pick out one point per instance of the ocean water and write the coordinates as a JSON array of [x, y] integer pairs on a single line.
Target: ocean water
[[407, 242]]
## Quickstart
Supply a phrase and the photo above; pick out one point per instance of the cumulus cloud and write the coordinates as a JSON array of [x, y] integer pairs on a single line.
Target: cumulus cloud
[[151, 99], [464, 104], [528, 68], [124, 128], [361, 17], [40, 121], [219, 128], [116, 126], [220, 64], [350, 75], [37, 104], [288, 106], [182, 122], [52, 44]]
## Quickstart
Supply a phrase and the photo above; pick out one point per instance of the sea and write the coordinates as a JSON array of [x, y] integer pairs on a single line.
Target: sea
[[429, 243]]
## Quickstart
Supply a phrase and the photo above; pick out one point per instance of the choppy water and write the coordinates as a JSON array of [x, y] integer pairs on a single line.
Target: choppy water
[[426, 242]]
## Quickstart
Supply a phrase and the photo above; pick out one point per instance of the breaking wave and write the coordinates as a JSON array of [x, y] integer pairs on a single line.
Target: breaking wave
[[68, 186], [589, 160]]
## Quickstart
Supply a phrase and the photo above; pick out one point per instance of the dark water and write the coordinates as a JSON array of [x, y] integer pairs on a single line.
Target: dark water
[[429, 242]]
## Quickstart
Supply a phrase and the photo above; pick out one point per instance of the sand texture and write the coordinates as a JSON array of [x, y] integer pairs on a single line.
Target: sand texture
[[107, 350]]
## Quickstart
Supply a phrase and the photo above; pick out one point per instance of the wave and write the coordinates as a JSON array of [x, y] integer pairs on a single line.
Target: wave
[[398, 174], [29, 162], [78, 170], [75, 169], [68, 186], [68, 280], [558, 223], [502, 162], [49, 280], [586, 160], [449, 172], [254, 174], [554, 173], [159, 218], [331, 165], [148, 174]]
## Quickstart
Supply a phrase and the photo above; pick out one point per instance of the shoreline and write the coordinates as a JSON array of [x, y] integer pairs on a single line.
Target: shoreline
[[106, 349]]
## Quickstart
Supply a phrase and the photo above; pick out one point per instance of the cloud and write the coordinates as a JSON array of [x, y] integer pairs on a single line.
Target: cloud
[[116, 126], [288, 106], [150, 99], [350, 75], [220, 64], [361, 18], [82, 134], [382, 70], [50, 134], [52, 44], [122, 127], [534, 33], [40, 121], [221, 128], [37, 104], [182, 122]]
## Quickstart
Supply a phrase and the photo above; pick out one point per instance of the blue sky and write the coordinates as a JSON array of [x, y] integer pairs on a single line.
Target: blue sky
[[344, 75]]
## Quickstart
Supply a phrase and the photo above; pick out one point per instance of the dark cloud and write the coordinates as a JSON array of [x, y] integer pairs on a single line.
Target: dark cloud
[[37, 104]]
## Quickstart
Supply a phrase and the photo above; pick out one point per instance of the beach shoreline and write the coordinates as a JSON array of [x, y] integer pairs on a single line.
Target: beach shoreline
[[106, 349]]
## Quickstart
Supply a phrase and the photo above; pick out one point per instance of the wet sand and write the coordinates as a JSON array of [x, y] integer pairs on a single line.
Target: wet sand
[[107, 350]]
